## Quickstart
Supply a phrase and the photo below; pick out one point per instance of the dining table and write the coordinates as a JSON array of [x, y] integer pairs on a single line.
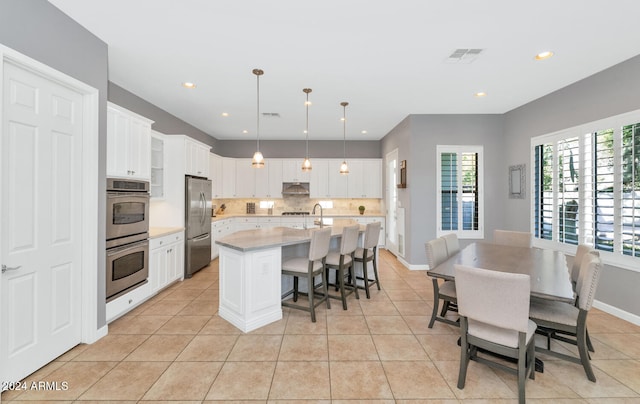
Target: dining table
[[548, 270]]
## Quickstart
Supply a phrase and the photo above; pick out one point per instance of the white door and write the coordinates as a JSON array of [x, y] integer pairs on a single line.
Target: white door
[[40, 230], [392, 201]]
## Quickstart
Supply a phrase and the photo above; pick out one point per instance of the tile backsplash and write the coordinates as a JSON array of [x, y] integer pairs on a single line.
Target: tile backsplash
[[300, 203]]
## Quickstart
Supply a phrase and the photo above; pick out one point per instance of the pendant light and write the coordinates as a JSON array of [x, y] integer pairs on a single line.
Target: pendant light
[[344, 168], [306, 164], [258, 159]]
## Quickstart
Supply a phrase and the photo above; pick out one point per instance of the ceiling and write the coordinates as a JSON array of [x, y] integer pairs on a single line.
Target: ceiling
[[387, 59]]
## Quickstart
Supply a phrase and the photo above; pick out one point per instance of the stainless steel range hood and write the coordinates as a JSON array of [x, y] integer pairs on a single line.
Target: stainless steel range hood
[[295, 188]]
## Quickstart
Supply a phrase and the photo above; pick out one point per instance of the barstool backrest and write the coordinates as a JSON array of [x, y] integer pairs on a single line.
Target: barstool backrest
[[320, 240], [349, 239], [371, 235]]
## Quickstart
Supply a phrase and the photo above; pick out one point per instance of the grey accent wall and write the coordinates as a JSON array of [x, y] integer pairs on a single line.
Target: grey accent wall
[[416, 141], [39, 30], [296, 148], [611, 92], [164, 122]]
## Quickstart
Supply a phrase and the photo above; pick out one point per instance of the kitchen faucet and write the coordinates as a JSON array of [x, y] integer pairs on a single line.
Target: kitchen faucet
[[313, 212]]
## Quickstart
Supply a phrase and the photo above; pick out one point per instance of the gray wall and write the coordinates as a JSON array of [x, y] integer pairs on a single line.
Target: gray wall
[[164, 122], [610, 92], [416, 139], [296, 148], [39, 30]]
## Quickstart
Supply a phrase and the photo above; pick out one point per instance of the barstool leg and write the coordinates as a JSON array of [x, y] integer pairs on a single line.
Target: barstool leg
[[325, 288], [310, 290], [341, 283], [375, 269], [365, 274], [295, 288]]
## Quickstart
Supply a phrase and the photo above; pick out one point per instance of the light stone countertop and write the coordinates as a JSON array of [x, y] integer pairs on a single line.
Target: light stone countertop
[[249, 240], [155, 232], [244, 215]]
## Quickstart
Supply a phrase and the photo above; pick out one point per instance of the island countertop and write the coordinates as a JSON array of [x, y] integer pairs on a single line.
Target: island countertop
[[250, 240]]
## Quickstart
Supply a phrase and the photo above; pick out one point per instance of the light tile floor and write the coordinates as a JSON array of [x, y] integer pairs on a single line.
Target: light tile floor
[[175, 348]]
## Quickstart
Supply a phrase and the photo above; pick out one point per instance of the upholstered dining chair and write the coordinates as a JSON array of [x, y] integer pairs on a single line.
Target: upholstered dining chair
[[512, 238], [577, 260], [367, 253], [453, 245], [310, 267], [436, 255], [489, 324], [342, 260], [571, 319]]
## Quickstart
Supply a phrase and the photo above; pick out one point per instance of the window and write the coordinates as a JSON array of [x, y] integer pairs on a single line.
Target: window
[[460, 206], [587, 187]]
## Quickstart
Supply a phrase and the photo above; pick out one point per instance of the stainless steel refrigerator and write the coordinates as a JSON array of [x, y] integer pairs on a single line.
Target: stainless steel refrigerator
[[198, 224]]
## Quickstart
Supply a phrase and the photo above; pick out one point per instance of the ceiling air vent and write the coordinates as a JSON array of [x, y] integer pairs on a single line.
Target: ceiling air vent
[[271, 115], [463, 56]]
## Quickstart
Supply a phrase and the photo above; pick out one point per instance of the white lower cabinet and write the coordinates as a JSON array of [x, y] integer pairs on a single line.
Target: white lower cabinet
[[219, 229], [166, 260]]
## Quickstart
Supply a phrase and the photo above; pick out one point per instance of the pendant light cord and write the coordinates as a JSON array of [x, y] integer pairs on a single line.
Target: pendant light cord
[[258, 109]]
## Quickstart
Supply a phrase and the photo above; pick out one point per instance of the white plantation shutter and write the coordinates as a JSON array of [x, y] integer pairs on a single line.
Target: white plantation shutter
[[586, 188]]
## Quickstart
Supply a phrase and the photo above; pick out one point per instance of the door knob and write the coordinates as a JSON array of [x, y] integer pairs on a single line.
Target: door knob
[[6, 268]]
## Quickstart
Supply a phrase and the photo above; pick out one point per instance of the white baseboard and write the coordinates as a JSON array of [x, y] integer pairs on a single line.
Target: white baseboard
[[412, 267], [614, 311]]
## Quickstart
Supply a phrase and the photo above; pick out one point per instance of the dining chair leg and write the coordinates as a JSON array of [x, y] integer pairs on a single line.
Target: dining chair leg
[[464, 354], [583, 351], [589, 344], [445, 308], [436, 301], [522, 373]]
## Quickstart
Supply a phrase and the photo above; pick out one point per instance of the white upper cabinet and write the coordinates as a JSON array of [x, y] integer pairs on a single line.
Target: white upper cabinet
[[228, 177], [128, 144], [157, 165], [319, 179], [197, 158], [216, 175], [365, 178], [265, 182], [337, 181], [326, 180], [292, 171], [245, 179]]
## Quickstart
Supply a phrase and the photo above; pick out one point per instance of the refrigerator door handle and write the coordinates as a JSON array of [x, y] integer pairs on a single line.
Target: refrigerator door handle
[[200, 238], [204, 207]]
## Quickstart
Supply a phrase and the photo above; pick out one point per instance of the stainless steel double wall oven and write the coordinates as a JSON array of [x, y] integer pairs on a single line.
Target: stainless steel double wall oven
[[127, 236]]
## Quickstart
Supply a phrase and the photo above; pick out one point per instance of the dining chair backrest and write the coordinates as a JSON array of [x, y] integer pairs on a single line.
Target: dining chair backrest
[[512, 238], [590, 269], [436, 252], [371, 235], [320, 240], [500, 299], [349, 241], [577, 260], [453, 246]]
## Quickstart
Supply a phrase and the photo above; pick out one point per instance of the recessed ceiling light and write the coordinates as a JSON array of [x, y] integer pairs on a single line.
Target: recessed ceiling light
[[364, 132], [480, 94], [544, 55], [245, 131], [225, 114], [187, 84]]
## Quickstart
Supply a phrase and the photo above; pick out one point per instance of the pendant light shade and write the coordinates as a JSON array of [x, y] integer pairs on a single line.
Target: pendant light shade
[[344, 168], [306, 164], [258, 159]]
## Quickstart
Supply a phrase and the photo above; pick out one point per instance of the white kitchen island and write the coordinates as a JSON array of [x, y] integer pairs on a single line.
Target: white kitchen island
[[250, 272]]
